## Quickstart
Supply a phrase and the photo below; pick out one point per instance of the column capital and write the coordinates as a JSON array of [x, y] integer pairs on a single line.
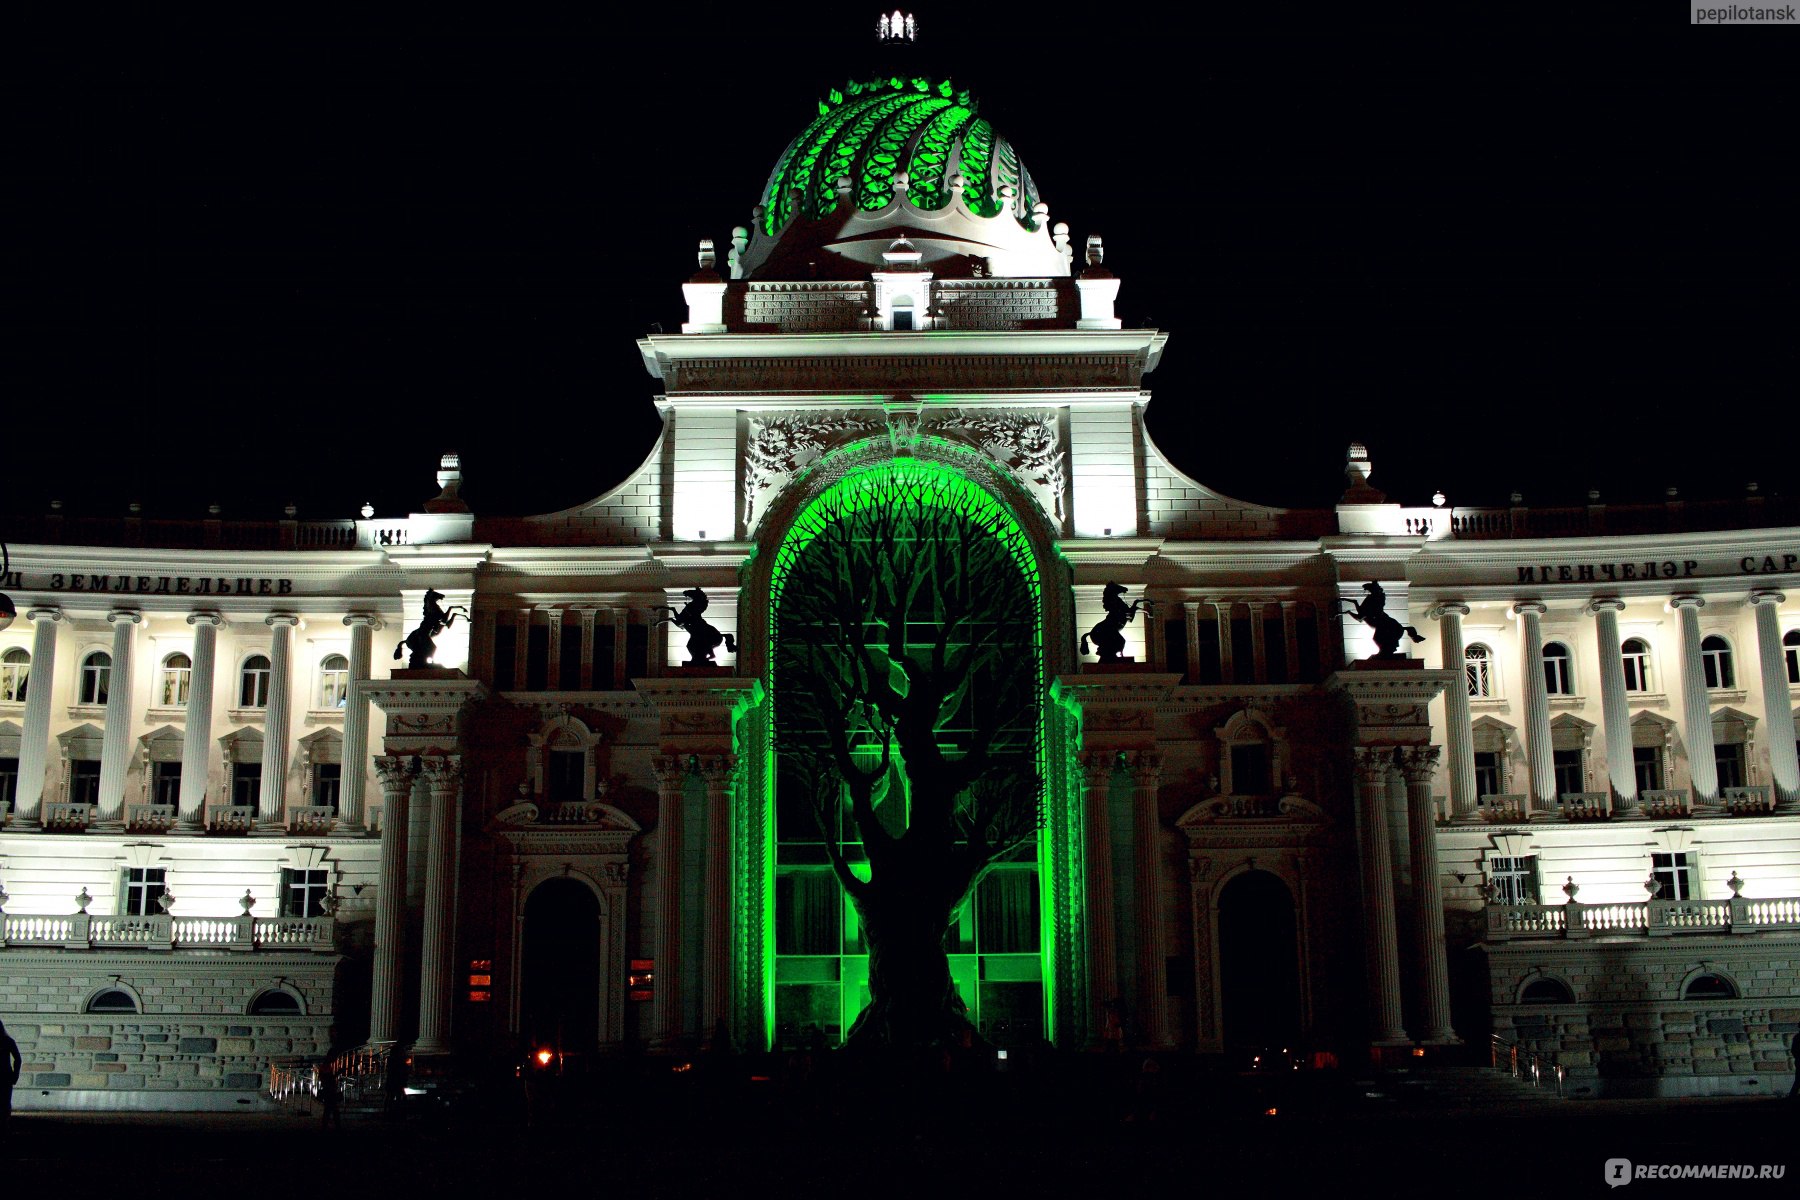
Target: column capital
[[1438, 612], [441, 772], [120, 615], [47, 612], [1147, 768], [1759, 598], [1536, 608], [1097, 765], [669, 769], [206, 617], [719, 770], [394, 771], [1687, 602], [282, 618], [1418, 763], [1373, 762], [1600, 604], [369, 619]]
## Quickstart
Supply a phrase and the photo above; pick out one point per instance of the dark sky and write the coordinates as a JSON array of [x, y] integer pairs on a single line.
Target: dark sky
[[294, 262]]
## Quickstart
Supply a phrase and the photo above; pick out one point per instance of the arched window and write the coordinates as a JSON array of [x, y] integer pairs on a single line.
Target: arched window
[[334, 681], [253, 683], [112, 1000], [1546, 991], [1790, 642], [1479, 661], [1636, 654], [177, 672], [1715, 660], [1709, 987], [15, 669], [1559, 680], [96, 677], [275, 1002]]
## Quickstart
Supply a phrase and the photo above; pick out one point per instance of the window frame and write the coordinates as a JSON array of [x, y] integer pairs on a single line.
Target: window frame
[[304, 891], [138, 892], [94, 680], [1565, 669], [1790, 650], [333, 693], [1645, 669], [1517, 876], [175, 681], [248, 685], [15, 675], [1717, 667], [1680, 873], [1487, 687]]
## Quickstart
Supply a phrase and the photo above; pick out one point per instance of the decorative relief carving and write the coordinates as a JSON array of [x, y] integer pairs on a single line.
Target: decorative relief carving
[[778, 448], [1029, 444], [888, 373]]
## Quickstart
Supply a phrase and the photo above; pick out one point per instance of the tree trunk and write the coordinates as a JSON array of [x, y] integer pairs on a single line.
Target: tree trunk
[[913, 1002]]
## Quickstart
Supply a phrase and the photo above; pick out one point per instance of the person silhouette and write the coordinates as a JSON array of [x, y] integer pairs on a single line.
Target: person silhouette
[[9, 1075]]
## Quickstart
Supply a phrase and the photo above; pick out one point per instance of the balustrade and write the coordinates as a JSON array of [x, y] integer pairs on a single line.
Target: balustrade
[[1666, 802], [149, 818], [1653, 918], [64, 817], [163, 932], [1747, 801], [310, 818], [231, 818]]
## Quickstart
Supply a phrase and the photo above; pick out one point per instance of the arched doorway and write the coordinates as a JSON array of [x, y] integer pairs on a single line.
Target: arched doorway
[[559, 992], [1258, 962]]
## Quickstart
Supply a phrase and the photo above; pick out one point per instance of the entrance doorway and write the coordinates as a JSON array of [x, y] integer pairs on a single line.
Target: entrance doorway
[[1259, 971], [559, 992]]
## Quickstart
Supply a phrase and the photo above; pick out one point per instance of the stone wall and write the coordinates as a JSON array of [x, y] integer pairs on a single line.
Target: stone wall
[[192, 1045]]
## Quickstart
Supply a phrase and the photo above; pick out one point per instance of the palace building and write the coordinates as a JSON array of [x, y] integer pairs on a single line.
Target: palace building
[[240, 829]]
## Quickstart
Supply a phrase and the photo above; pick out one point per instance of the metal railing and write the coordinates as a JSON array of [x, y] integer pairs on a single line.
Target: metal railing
[[1525, 1065]]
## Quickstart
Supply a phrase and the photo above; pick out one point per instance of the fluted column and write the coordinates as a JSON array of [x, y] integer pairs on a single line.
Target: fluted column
[[270, 801], [1432, 1022], [34, 737], [442, 776], [1538, 754], [1615, 713], [196, 739], [1103, 940], [354, 784], [1153, 892], [1778, 704], [665, 1000], [1696, 713], [587, 647], [388, 987], [115, 744], [720, 775], [1190, 616], [1381, 941], [1458, 732]]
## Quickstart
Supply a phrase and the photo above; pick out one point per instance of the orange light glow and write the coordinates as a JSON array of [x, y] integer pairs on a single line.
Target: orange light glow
[[543, 1057], [1269, 1112]]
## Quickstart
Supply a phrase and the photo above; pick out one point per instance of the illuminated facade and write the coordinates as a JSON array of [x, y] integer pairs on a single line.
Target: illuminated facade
[[563, 834]]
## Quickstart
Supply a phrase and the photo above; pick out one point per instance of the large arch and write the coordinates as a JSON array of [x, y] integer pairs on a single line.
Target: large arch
[[1260, 973], [561, 992]]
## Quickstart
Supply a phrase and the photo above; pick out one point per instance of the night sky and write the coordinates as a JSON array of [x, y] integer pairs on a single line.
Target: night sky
[[294, 263]]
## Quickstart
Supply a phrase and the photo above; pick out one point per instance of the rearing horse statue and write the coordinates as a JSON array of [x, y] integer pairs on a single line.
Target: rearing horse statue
[[422, 641], [704, 637], [1108, 636], [1372, 611]]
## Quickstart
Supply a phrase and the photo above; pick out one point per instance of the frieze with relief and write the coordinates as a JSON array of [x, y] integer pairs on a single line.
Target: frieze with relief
[[889, 373]]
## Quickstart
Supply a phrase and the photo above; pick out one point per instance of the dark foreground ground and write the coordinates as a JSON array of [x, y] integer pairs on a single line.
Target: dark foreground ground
[[1071, 1132]]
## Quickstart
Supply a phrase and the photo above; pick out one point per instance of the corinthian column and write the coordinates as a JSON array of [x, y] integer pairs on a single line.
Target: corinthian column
[[1152, 887], [1538, 752], [34, 738], [1373, 763], [442, 775], [1614, 711], [1696, 713], [1458, 733], [1418, 764], [387, 986], [115, 742], [354, 783], [721, 776], [275, 722], [196, 739], [665, 1000], [1103, 940], [1778, 704]]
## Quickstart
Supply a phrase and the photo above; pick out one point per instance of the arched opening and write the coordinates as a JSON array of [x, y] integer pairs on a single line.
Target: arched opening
[[559, 993], [1709, 987], [1259, 968], [1546, 991]]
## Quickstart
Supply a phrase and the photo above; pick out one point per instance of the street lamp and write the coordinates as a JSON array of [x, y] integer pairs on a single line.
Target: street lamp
[[7, 609]]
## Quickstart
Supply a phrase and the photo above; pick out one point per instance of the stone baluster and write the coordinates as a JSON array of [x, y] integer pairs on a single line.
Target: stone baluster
[[1153, 892], [1696, 712], [1419, 764], [665, 1003], [196, 739], [115, 742], [34, 737], [442, 776], [1539, 755], [388, 985], [1615, 712], [1103, 940], [1373, 766], [1458, 732], [273, 795], [1778, 704], [720, 775], [355, 770]]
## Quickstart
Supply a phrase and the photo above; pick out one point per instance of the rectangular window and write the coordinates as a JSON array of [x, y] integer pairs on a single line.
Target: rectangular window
[[637, 650], [1275, 649], [1250, 770], [9, 780], [1729, 758], [537, 657], [568, 667], [1515, 879], [84, 781], [1676, 874], [603, 654], [142, 887], [1175, 647], [1306, 634], [165, 783], [1570, 776], [1487, 773], [1243, 652], [1211, 670], [328, 781], [1646, 761], [303, 893], [246, 783], [566, 771], [506, 643]]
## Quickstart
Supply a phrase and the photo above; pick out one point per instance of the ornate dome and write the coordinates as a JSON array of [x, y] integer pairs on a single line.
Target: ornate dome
[[900, 157]]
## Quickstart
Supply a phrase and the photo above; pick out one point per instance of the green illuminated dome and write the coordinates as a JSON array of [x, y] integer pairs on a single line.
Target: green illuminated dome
[[900, 157]]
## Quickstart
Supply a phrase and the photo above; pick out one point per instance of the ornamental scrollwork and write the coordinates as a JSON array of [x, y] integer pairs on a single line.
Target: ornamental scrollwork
[[779, 447], [1029, 444]]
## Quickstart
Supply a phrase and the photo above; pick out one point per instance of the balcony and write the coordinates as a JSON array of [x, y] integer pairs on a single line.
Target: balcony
[[1650, 918], [81, 931], [149, 818]]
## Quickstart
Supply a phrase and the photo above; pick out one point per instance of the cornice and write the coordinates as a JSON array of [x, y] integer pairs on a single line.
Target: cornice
[[1102, 691], [671, 693], [1393, 686]]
